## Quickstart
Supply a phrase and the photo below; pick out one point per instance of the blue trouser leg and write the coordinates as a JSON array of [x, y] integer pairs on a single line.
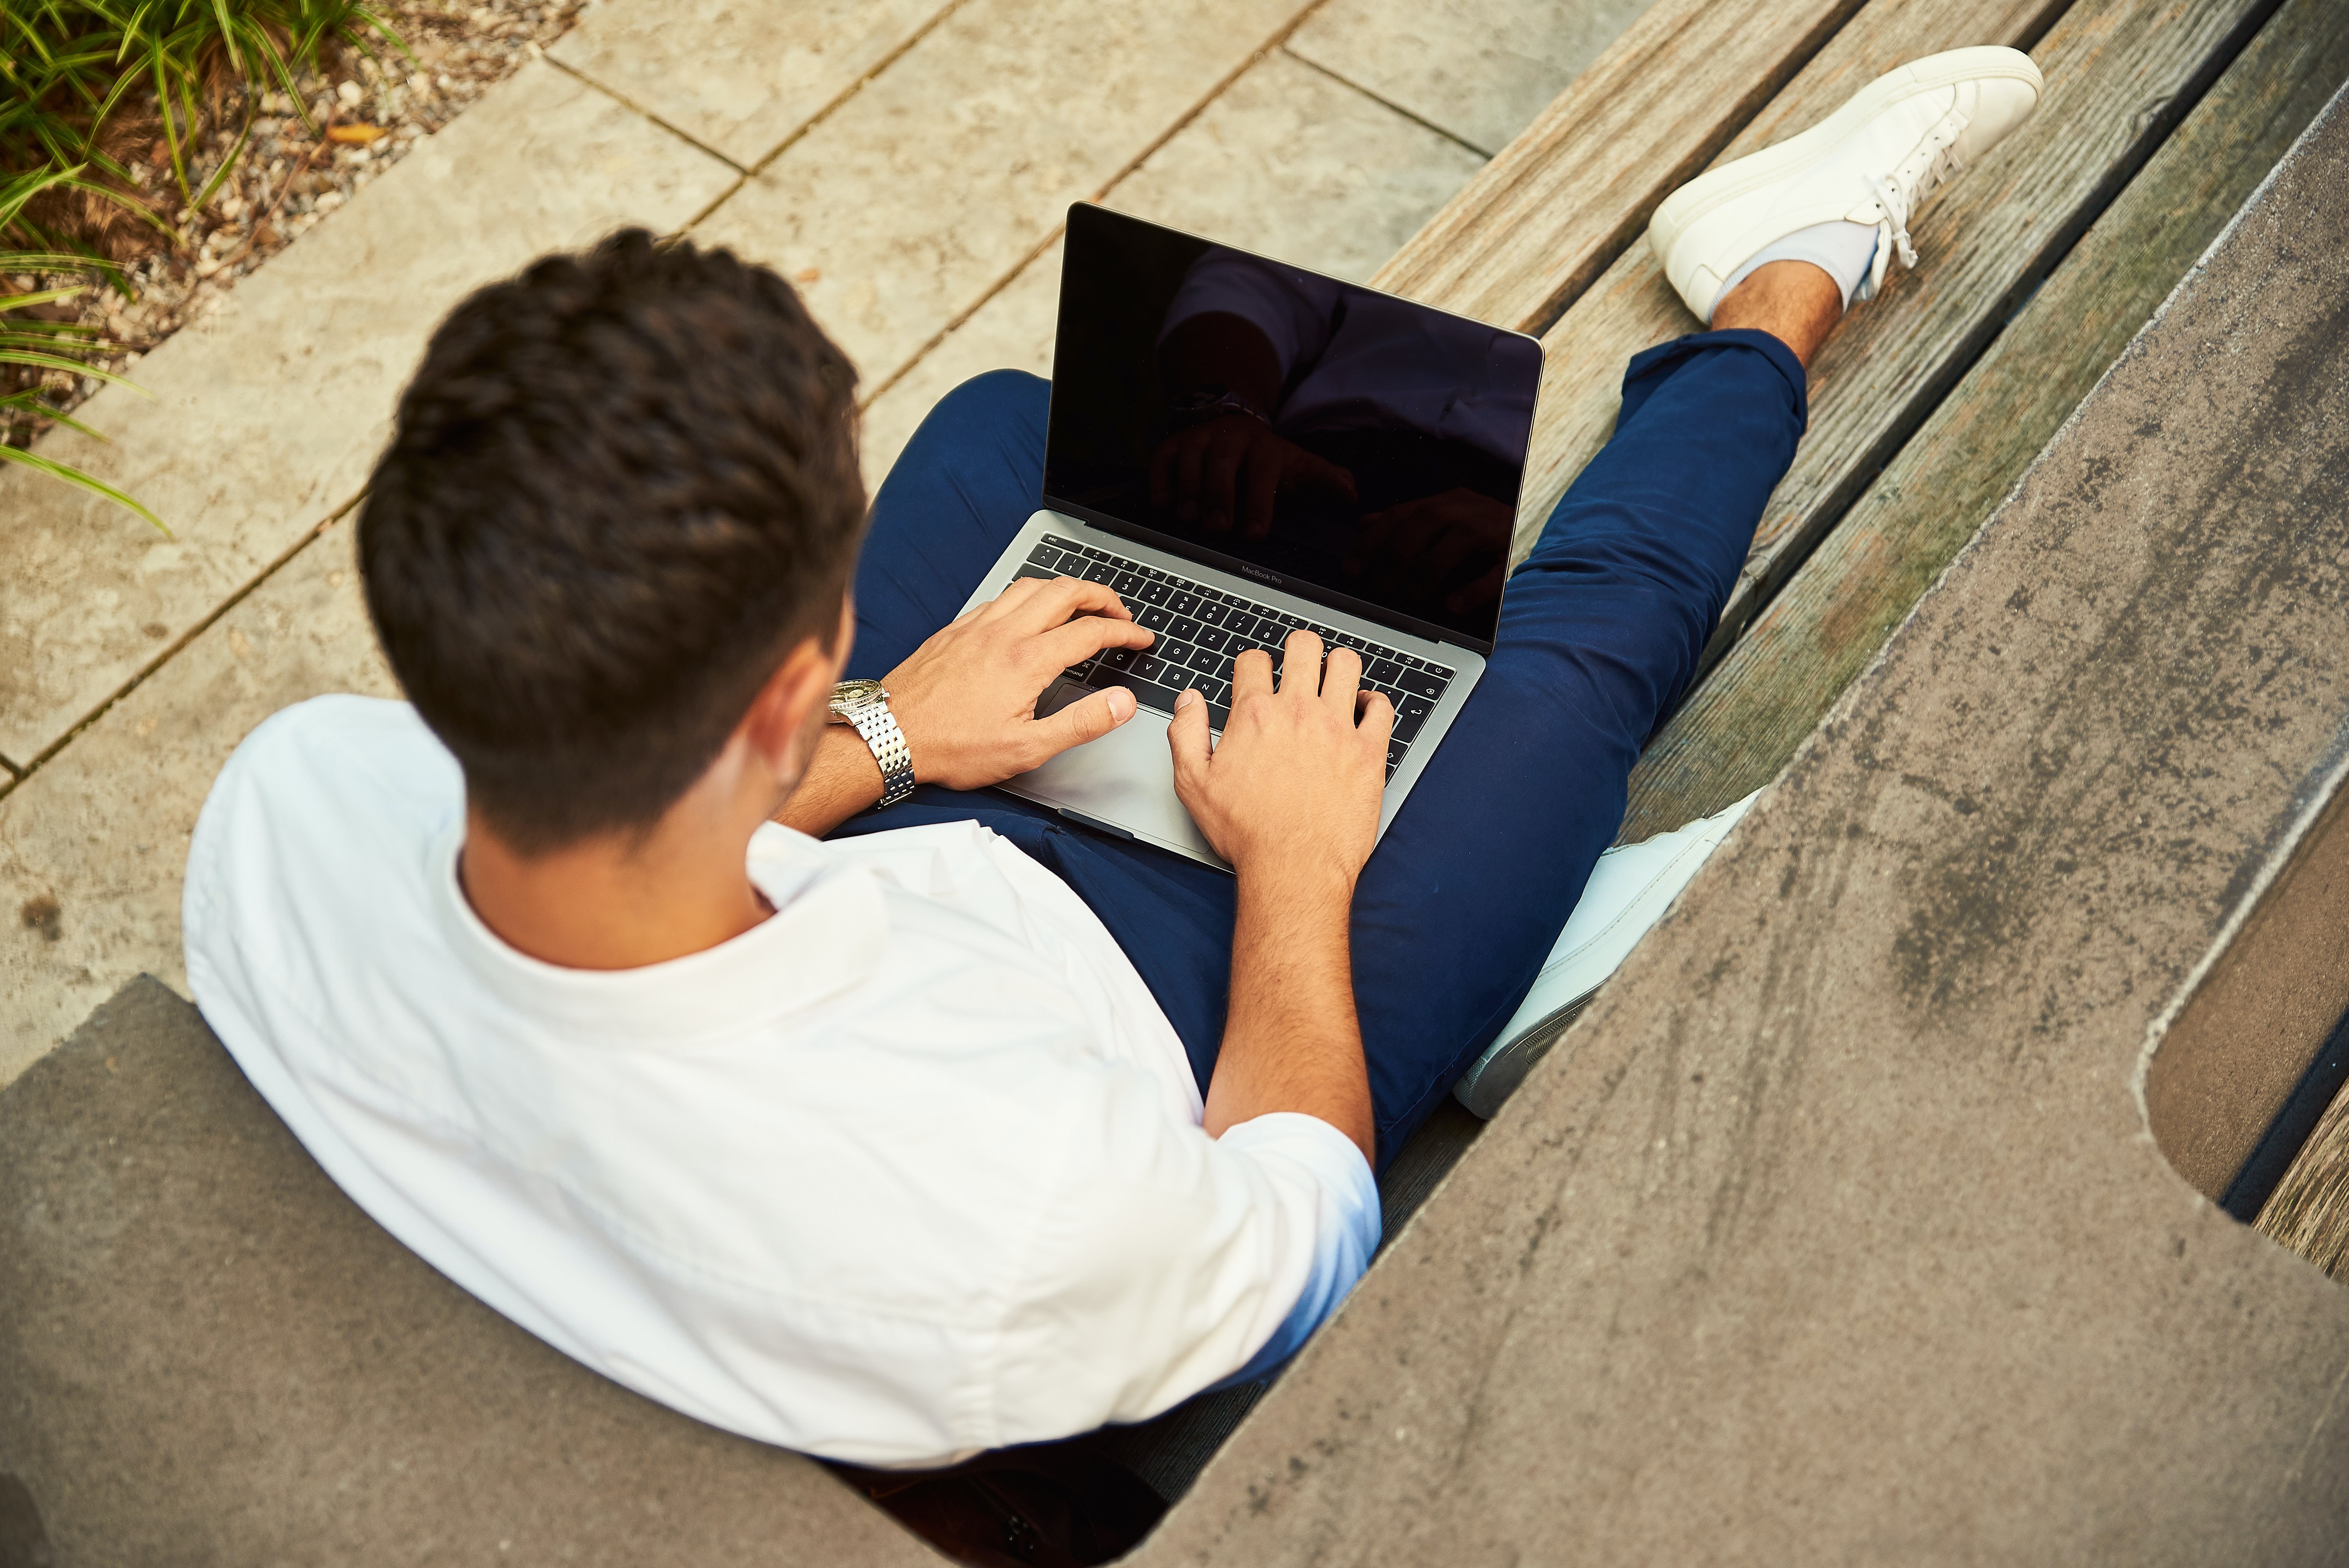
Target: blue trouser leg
[[1600, 631]]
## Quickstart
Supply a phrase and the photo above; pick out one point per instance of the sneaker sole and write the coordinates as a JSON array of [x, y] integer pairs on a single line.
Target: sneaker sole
[[1708, 192]]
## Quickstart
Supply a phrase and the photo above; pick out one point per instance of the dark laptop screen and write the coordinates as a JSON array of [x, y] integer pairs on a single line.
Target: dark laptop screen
[[1350, 447]]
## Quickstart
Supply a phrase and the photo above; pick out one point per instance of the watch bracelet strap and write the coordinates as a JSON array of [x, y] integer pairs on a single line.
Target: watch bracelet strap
[[888, 743]]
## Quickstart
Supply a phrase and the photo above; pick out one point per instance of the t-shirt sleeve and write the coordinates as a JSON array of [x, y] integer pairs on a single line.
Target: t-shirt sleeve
[[1167, 1262], [1294, 310]]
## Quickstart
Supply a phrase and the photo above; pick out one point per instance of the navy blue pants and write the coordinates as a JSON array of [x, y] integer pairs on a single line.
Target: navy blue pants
[[1600, 629]]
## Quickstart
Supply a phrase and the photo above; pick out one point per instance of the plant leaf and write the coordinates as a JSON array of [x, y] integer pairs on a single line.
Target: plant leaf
[[75, 476]]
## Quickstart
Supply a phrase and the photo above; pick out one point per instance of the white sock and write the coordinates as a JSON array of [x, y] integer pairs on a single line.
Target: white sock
[[1840, 250]]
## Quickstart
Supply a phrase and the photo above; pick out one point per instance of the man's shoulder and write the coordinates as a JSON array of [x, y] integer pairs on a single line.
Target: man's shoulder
[[334, 791], [337, 758]]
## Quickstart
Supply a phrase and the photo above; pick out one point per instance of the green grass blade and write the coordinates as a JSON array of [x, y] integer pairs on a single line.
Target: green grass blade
[[75, 476], [71, 367]]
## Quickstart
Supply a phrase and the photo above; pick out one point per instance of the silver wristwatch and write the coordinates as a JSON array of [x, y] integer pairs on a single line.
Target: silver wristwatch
[[866, 704]]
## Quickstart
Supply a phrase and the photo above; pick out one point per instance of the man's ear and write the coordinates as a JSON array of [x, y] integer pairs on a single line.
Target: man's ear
[[785, 711]]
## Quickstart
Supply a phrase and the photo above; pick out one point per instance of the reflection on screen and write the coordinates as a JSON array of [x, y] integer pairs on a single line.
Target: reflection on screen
[[1345, 440]]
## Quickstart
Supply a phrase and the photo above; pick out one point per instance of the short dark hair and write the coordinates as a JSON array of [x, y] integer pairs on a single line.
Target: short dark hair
[[622, 487]]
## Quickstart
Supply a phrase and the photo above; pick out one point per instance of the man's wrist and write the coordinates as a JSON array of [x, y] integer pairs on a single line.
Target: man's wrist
[[1296, 878]]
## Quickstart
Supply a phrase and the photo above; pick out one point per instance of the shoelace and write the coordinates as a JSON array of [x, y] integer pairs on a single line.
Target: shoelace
[[1942, 164]]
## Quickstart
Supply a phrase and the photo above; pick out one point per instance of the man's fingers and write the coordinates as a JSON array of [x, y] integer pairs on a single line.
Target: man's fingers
[[1376, 718], [1372, 534], [1162, 470], [1088, 720], [1478, 594], [1300, 664], [1187, 737], [1187, 458], [1053, 601], [1341, 677], [1081, 638], [1252, 674], [1319, 474]]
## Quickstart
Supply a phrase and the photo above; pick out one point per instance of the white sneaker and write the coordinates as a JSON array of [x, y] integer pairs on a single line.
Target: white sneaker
[[1901, 137]]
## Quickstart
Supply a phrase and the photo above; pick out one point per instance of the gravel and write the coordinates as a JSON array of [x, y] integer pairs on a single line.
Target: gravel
[[372, 113]]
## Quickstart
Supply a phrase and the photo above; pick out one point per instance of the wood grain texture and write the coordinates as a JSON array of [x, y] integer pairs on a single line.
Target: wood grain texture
[[1577, 186], [1741, 725], [2110, 66]]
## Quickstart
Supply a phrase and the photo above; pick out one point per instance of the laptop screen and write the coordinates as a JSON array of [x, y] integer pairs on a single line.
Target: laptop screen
[[1346, 446]]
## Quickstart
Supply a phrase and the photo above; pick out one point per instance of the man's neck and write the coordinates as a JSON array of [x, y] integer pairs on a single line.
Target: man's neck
[[619, 901]]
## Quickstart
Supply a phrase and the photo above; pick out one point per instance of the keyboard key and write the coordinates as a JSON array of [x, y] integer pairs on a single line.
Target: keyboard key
[[1214, 636], [1183, 627], [1057, 543], [1148, 665], [1240, 624], [1153, 619], [1215, 615], [1410, 715], [1384, 672], [1032, 572], [1206, 660], [1045, 557], [1421, 682], [1441, 673], [1215, 691], [1396, 751], [1184, 602], [1118, 659], [1099, 571], [1157, 592], [1125, 585], [1219, 717]]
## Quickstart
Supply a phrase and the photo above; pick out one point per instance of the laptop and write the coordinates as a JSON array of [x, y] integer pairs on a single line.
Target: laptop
[[1238, 447]]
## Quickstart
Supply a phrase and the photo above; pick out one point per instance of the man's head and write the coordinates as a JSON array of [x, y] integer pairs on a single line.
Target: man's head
[[624, 485]]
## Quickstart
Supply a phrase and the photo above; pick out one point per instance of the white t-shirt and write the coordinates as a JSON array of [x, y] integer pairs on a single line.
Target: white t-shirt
[[912, 1169]]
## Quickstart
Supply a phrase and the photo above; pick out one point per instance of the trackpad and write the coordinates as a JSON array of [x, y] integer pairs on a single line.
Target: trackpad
[[1125, 779]]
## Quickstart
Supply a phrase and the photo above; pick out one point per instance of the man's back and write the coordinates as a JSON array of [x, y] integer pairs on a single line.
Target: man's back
[[911, 1168]]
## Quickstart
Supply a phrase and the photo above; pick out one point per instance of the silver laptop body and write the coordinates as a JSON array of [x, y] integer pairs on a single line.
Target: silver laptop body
[[1398, 397]]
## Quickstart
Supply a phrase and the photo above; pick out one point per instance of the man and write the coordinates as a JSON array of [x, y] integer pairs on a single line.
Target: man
[[896, 1134]]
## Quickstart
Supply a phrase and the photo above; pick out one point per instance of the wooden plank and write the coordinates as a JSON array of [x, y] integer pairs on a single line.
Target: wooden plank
[[2110, 66], [2309, 1210], [1774, 687], [1573, 191]]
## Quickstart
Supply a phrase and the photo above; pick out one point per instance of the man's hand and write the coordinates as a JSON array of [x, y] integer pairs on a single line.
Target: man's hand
[[1291, 799], [1297, 779], [1422, 544], [967, 698], [1233, 467]]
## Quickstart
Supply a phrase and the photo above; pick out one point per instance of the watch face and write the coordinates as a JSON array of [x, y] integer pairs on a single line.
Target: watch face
[[850, 696]]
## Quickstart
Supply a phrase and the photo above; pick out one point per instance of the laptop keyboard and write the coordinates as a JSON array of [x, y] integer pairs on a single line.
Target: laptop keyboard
[[1202, 630]]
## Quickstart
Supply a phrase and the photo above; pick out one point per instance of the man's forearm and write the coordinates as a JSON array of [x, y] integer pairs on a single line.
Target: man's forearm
[[842, 779], [1291, 1041]]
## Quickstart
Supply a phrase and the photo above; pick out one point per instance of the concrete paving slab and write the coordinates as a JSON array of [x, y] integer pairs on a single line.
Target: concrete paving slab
[[935, 184], [211, 1357], [1835, 1232], [1285, 161], [1013, 331], [740, 79], [1481, 70], [94, 846], [266, 418]]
